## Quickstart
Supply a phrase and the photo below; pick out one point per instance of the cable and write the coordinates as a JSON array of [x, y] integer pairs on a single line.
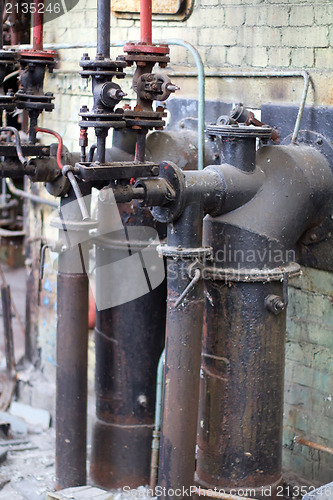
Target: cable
[[60, 143]]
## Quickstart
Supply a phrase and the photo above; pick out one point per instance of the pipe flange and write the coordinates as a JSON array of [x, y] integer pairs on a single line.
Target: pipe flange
[[8, 56], [137, 118], [240, 131], [143, 54], [291, 270], [174, 208], [101, 67], [58, 187], [203, 253]]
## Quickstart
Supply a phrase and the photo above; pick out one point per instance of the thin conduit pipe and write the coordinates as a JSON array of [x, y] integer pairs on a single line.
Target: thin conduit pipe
[[33, 197], [311, 444], [273, 74], [18, 145], [155, 446], [200, 75]]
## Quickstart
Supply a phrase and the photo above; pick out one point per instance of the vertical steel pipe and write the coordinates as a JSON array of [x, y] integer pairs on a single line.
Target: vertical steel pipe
[[146, 21], [72, 348], [103, 27], [37, 25], [182, 360], [8, 329], [1, 27], [140, 150]]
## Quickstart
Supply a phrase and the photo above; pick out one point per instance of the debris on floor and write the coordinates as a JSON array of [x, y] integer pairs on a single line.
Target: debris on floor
[[37, 419], [80, 493], [27, 471]]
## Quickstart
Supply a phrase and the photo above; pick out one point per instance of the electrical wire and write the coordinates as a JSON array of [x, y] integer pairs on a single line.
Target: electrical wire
[[60, 143]]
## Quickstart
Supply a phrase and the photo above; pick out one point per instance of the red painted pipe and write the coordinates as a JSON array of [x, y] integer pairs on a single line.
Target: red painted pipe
[[145, 21], [37, 25]]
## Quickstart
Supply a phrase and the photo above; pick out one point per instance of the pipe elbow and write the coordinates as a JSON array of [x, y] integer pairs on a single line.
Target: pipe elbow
[[236, 186]]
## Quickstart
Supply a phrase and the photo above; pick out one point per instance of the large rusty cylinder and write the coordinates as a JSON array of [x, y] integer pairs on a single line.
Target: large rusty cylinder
[[242, 381], [119, 455], [127, 353], [241, 392], [129, 340]]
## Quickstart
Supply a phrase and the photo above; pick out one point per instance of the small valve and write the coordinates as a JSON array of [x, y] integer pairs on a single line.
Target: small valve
[[155, 87]]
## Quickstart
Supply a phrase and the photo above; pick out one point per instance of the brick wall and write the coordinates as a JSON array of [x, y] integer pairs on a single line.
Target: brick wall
[[233, 34], [308, 407]]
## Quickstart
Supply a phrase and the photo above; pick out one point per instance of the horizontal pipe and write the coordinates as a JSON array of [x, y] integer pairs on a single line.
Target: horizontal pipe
[[273, 74], [311, 444], [200, 75], [33, 197]]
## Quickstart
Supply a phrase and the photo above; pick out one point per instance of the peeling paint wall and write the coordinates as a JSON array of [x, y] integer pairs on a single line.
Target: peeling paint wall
[[308, 409], [234, 34]]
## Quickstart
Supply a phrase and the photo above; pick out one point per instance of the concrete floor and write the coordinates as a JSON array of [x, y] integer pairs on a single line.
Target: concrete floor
[[28, 470]]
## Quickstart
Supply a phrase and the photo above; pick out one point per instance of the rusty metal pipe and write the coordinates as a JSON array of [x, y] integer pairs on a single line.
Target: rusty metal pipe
[[241, 404], [8, 329], [72, 349], [182, 359], [311, 444], [1, 27]]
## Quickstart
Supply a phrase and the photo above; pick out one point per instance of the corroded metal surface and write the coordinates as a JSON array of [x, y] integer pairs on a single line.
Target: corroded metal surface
[[129, 341], [240, 418], [72, 345]]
